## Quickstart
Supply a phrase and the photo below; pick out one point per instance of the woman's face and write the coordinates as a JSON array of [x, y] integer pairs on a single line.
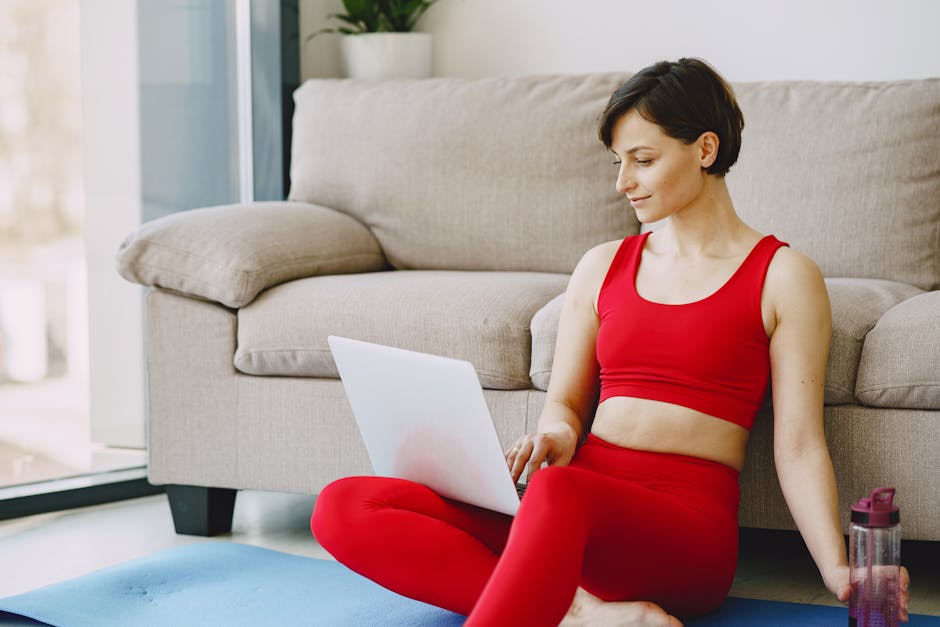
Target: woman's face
[[660, 175]]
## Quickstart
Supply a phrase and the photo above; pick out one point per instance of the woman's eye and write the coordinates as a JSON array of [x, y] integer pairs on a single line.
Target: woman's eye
[[616, 161], [644, 161]]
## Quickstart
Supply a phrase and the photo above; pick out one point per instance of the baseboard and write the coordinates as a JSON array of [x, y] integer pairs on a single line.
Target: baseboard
[[83, 491]]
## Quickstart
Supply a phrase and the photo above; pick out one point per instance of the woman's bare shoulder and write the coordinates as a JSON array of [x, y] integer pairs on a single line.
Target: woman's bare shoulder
[[602, 254], [795, 284], [791, 269], [593, 266], [588, 276]]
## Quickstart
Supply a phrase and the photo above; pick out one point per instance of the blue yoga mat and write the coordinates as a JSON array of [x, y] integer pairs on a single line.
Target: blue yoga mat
[[224, 583]]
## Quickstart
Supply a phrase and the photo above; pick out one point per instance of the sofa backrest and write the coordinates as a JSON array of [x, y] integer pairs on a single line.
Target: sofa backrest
[[507, 173], [464, 174], [848, 173]]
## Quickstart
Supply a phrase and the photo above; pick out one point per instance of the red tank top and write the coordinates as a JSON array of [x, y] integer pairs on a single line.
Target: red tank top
[[711, 355]]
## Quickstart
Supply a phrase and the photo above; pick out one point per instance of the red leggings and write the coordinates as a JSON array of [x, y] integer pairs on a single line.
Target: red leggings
[[623, 524]]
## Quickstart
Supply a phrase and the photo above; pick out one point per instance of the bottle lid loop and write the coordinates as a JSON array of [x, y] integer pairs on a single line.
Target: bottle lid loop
[[877, 510]]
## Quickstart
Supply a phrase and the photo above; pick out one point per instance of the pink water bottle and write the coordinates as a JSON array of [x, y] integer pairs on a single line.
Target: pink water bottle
[[875, 560]]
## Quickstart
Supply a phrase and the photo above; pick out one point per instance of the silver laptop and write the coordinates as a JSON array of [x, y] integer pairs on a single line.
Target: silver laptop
[[424, 418]]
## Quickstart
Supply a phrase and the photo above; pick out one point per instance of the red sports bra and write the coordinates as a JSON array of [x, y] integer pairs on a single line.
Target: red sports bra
[[711, 355]]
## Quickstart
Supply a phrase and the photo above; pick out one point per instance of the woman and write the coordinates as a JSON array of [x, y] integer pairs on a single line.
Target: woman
[[630, 516]]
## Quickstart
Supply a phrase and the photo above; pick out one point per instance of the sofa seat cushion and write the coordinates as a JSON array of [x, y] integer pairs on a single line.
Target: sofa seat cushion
[[482, 317], [857, 304], [900, 364]]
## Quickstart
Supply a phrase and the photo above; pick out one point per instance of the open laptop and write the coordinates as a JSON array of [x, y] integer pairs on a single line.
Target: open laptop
[[424, 418]]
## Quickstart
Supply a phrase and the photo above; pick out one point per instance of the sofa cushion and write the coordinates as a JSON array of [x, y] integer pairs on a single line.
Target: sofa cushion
[[845, 172], [900, 365], [464, 174], [544, 332], [857, 304], [229, 253], [482, 317]]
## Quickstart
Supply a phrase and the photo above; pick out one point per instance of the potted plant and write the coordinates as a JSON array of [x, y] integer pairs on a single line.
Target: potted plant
[[378, 42]]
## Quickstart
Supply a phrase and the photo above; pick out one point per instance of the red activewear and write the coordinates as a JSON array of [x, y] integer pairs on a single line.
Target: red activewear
[[711, 355], [623, 524]]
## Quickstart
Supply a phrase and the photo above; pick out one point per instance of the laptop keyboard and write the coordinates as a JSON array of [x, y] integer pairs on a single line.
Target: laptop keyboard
[[520, 489]]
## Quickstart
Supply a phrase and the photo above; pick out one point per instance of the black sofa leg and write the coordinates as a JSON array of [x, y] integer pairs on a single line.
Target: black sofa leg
[[199, 511]]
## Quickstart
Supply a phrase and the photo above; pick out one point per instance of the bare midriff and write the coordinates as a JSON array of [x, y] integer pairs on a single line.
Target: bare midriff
[[648, 425]]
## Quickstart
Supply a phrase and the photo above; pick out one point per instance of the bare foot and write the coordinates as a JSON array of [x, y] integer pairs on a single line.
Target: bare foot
[[588, 610]]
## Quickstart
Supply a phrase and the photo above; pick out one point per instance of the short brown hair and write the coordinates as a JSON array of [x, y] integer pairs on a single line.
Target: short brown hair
[[685, 98]]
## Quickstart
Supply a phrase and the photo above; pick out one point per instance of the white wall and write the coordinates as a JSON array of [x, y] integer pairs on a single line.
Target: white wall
[[744, 39]]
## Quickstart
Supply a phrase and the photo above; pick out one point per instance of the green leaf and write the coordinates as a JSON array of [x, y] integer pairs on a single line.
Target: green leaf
[[356, 9], [418, 11], [358, 24], [373, 16], [322, 31], [364, 12]]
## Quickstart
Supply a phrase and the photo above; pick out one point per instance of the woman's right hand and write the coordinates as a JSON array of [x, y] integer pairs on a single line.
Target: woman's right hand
[[556, 448]]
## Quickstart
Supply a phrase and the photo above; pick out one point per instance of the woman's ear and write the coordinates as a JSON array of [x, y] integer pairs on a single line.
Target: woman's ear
[[708, 145]]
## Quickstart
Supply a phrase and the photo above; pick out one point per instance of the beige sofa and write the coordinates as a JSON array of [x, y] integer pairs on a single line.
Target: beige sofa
[[445, 215]]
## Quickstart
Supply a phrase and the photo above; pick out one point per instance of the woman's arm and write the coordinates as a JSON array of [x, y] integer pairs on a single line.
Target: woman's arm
[[572, 391], [799, 349]]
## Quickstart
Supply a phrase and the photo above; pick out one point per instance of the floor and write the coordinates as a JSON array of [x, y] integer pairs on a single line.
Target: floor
[[45, 434], [61, 545]]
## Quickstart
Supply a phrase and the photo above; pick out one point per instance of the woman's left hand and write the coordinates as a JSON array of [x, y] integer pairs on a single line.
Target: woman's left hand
[[837, 580], [532, 449]]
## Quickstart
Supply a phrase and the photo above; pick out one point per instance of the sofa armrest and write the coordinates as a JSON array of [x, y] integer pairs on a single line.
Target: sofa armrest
[[229, 253]]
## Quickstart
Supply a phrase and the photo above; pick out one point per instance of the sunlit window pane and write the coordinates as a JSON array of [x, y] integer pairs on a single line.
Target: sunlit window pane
[[44, 391]]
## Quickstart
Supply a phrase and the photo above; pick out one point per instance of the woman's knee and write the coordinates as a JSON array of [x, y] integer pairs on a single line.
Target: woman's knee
[[333, 510], [347, 508]]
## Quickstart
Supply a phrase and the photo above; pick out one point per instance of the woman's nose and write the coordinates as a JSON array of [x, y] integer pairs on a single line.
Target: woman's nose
[[624, 181]]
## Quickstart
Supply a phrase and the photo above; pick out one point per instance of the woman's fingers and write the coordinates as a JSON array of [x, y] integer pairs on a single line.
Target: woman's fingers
[[541, 447], [513, 452], [534, 449], [527, 455], [518, 456]]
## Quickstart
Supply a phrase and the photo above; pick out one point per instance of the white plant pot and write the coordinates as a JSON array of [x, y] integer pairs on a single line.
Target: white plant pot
[[381, 56]]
